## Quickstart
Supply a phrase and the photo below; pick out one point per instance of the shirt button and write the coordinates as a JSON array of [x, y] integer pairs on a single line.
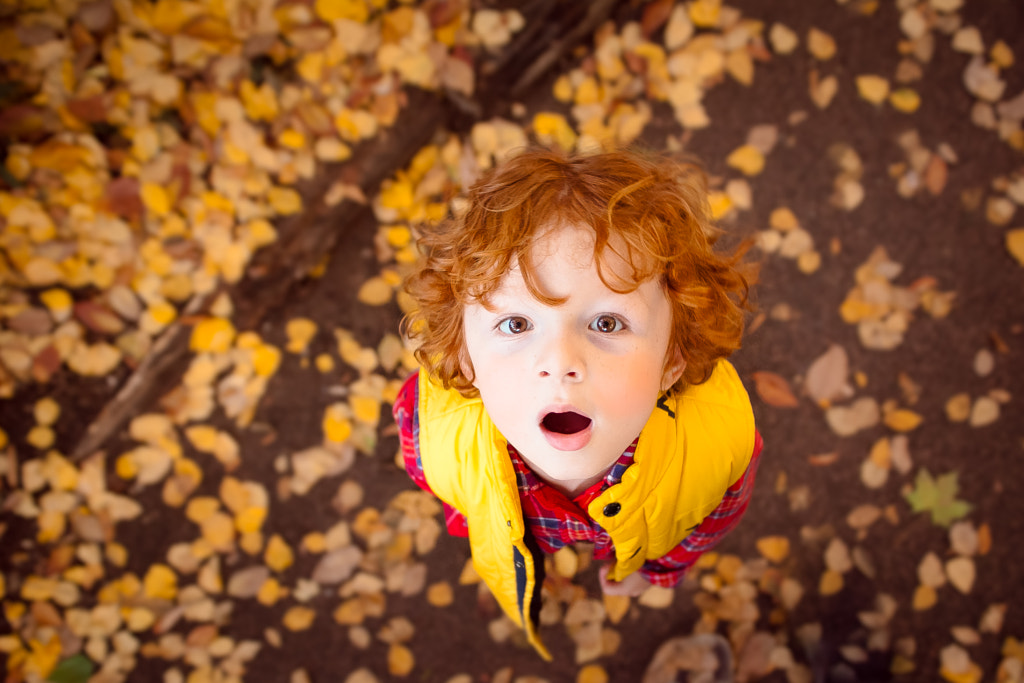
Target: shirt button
[[611, 509]]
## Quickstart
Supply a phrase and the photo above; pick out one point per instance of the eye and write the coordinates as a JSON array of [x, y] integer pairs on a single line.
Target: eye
[[607, 324], [514, 325]]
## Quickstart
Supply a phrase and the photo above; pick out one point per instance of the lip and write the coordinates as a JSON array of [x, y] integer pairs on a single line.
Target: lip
[[565, 442]]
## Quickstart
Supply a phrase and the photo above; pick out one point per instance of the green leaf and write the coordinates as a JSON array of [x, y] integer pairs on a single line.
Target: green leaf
[[937, 496], [75, 669]]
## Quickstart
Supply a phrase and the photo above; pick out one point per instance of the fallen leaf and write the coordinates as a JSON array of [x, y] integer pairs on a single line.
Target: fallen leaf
[[961, 573], [774, 389], [937, 496], [984, 412], [821, 45], [773, 548], [827, 377], [1015, 244], [902, 420], [873, 88], [924, 598]]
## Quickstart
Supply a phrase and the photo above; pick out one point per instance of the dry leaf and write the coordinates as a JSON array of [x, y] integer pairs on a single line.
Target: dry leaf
[[1015, 244], [961, 573], [821, 45], [827, 377], [873, 88], [984, 412], [774, 390], [783, 39], [924, 598]]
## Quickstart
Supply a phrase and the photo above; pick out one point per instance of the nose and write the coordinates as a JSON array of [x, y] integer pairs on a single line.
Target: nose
[[561, 358]]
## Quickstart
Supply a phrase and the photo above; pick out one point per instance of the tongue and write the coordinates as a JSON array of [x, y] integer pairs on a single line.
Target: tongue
[[566, 423]]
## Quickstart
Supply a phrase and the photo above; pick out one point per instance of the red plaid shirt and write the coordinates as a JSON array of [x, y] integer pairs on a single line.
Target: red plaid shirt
[[555, 520]]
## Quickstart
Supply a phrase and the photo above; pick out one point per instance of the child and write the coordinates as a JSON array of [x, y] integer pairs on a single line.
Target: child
[[573, 328]]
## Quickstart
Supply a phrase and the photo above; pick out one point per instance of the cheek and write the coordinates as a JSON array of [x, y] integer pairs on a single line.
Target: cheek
[[635, 386]]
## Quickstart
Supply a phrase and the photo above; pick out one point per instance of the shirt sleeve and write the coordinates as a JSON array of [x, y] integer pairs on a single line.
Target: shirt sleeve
[[406, 412], [669, 569]]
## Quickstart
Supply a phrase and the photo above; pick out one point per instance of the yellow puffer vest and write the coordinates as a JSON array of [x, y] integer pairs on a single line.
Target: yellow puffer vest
[[692, 449]]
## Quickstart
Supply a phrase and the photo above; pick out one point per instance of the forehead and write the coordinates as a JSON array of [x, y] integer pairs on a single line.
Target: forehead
[[564, 256]]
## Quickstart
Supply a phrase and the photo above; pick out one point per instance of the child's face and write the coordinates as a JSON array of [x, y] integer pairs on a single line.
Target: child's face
[[598, 360]]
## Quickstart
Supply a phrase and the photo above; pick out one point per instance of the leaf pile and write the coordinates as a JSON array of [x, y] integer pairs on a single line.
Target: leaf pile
[[155, 147]]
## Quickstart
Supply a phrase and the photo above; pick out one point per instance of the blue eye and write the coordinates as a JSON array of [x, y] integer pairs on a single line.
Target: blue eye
[[607, 324], [514, 325]]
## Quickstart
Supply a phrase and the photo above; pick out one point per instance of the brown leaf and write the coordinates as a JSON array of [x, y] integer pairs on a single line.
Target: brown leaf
[[98, 317], [655, 15], [936, 174], [774, 390], [338, 565]]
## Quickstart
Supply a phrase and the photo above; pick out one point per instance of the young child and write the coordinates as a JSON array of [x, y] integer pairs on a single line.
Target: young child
[[573, 328]]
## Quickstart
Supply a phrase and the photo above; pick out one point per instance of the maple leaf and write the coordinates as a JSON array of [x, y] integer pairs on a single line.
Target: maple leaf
[[937, 496]]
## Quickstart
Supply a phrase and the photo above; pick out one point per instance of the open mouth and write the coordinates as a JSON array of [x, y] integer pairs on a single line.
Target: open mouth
[[565, 423]]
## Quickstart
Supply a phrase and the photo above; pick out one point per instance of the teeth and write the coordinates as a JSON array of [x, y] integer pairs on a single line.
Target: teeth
[[565, 423]]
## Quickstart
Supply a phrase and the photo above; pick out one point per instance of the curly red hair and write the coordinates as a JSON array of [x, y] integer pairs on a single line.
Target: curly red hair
[[649, 210]]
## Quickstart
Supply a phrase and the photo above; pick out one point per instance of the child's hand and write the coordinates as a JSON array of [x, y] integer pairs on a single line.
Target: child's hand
[[632, 586]]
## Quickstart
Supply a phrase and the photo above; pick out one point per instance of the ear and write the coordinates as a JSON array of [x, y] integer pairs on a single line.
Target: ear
[[674, 366]]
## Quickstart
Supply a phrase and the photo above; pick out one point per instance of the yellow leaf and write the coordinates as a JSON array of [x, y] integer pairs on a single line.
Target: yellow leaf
[[355, 124], [720, 203], [1015, 244], [284, 200], [972, 674], [292, 139], [773, 548], [902, 420], [42, 657], [156, 198], [201, 508], [1002, 55], [552, 128], [366, 409], [299, 332], [925, 597], [336, 425], [820, 44], [563, 88], [299, 618], [375, 292], [270, 592], [260, 103], [332, 10], [52, 524], [905, 100], [747, 159], [218, 530], [278, 556], [958, 407], [266, 359], [831, 582], [58, 301], [324, 363], [160, 582], [592, 673], [705, 13], [873, 88], [438, 594], [40, 437], [400, 660], [214, 335], [250, 520], [202, 437], [257, 233]]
